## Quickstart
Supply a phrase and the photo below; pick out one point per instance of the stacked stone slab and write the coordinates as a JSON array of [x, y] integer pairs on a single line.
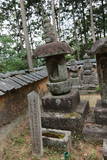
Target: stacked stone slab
[[99, 125], [88, 77], [105, 149], [62, 106], [75, 78]]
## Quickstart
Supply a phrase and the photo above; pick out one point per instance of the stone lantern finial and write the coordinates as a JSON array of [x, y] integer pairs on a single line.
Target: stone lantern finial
[[50, 34]]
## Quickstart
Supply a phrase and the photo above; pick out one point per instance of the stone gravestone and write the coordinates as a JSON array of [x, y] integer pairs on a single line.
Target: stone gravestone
[[35, 123]]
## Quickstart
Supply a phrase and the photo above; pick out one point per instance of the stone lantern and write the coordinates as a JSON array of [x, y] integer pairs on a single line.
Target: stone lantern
[[98, 126], [60, 100], [100, 50]]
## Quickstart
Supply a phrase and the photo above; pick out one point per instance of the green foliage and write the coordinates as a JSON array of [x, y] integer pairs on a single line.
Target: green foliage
[[92, 156], [10, 59], [98, 88], [69, 57]]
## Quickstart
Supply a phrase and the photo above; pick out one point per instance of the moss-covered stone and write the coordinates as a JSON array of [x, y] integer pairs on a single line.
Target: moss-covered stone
[[72, 115], [53, 135]]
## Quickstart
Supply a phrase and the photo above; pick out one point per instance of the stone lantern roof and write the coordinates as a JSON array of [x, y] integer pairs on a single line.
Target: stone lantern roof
[[52, 49], [99, 47]]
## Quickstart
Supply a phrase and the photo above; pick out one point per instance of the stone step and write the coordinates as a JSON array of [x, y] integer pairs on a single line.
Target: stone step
[[105, 149], [100, 115], [83, 108], [95, 131]]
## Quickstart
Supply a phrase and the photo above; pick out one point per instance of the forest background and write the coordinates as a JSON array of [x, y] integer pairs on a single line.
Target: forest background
[[79, 22]]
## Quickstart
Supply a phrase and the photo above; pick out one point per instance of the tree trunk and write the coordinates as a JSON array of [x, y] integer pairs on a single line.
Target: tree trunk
[[18, 27], [92, 22], [29, 57], [84, 22], [59, 19], [53, 14], [75, 33], [103, 15]]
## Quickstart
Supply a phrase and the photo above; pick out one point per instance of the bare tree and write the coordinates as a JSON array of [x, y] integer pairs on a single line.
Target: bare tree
[[28, 48]]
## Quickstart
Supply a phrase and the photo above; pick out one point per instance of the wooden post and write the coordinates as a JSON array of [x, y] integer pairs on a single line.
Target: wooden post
[[35, 123], [29, 54]]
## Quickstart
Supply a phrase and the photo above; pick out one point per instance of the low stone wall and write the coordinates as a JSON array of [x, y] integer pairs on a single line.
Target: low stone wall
[[14, 102]]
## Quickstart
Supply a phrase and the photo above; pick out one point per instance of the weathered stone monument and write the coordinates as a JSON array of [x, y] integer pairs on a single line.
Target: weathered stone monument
[[88, 77], [99, 125], [35, 123], [62, 106], [75, 79]]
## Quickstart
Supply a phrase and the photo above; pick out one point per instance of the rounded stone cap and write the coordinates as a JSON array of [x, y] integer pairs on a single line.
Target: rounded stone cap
[[86, 56], [99, 47], [52, 49]]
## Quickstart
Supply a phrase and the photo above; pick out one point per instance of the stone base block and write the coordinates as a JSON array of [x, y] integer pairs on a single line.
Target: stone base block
[[84, 92], [63, 103], [57, 139], [100, 114], [75, 81], [87, 86], [95, 131], [105, 149], [60, 88], [72, 121]]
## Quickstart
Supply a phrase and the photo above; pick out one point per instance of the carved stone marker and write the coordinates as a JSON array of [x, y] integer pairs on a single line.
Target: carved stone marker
[[35, 123]]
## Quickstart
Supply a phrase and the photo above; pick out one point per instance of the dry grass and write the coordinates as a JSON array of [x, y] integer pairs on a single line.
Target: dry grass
[[18, 145], [92, 98]]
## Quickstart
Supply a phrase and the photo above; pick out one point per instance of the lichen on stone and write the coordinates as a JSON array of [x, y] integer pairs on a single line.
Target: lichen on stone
[[52, 134], [72, 115]]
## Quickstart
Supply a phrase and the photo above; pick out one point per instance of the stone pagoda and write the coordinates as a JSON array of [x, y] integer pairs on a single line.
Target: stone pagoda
[[89, 77], [62, 106]]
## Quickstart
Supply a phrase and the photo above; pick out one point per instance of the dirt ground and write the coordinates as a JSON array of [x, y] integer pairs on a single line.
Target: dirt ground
[[17, 146]]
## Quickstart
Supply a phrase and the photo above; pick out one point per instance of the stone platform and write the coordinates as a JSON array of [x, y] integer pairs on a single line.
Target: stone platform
[[63, 103], [72, 121], [93, 130], [105, 149], [100, 113]]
